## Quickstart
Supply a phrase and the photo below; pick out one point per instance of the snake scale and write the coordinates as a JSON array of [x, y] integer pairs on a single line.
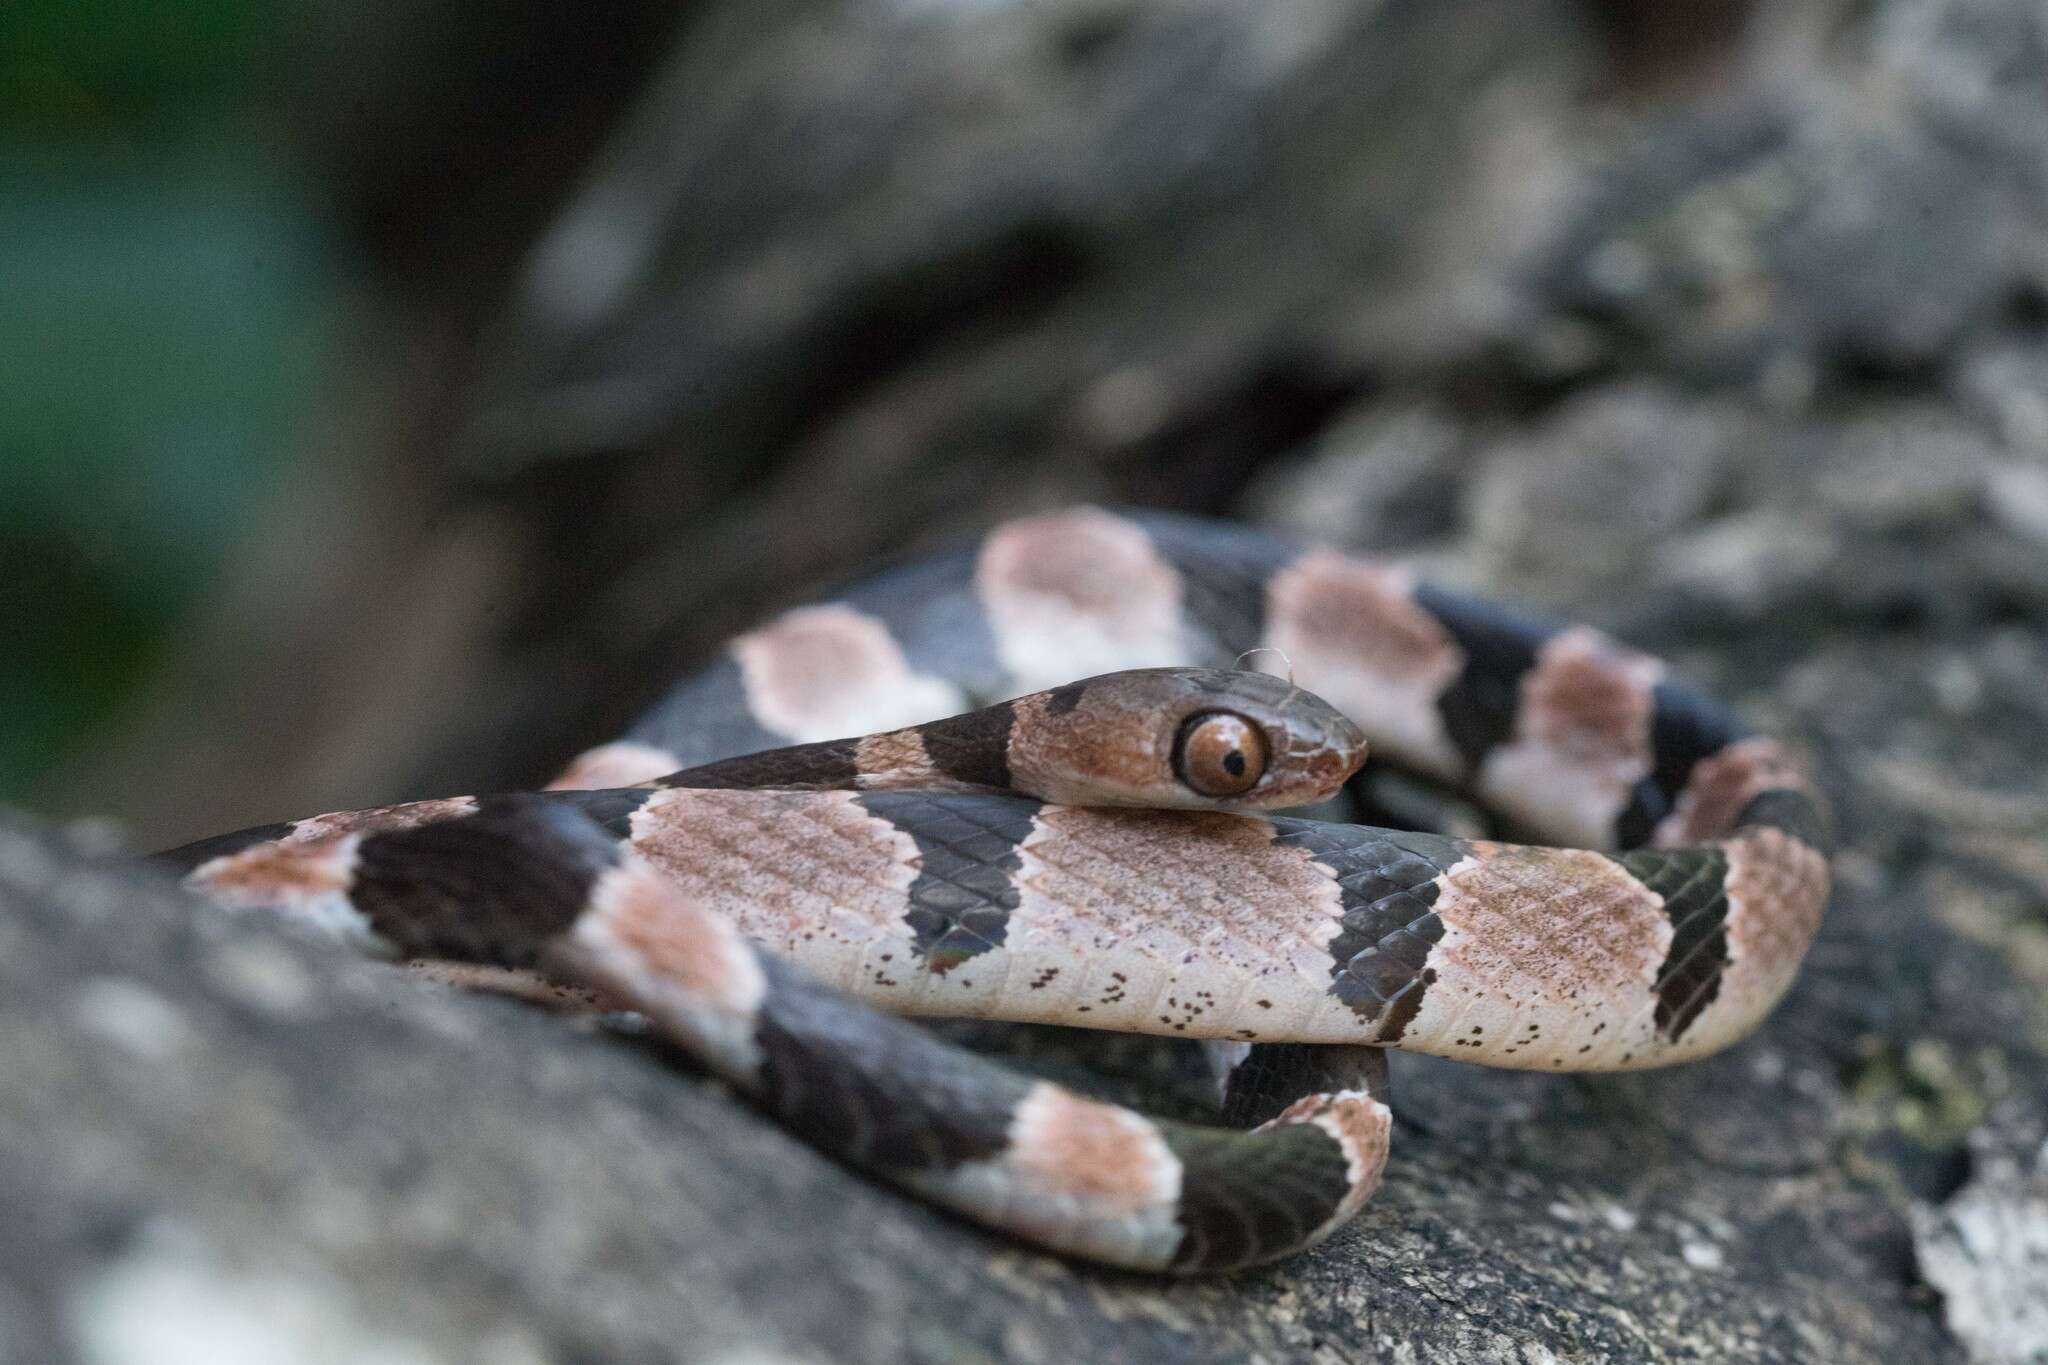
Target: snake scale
[[762, 887]]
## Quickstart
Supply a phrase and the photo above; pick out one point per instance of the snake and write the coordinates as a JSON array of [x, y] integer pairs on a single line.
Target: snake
[[1026, 780]]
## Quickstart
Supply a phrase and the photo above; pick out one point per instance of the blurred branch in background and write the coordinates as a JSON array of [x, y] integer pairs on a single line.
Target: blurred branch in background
[[641, 322], [837, 277]]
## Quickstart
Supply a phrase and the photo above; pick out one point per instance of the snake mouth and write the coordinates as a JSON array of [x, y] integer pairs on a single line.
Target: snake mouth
[[1340, 767], [1331, 760]]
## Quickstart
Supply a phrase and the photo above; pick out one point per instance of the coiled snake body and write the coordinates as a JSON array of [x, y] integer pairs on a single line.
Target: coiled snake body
[[674, 874]]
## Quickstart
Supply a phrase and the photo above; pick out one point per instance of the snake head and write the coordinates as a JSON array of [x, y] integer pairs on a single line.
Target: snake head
[[1182, 738]]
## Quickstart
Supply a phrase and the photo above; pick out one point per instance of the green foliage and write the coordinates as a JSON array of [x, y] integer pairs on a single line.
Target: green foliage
[[73, 66], [166, 310]]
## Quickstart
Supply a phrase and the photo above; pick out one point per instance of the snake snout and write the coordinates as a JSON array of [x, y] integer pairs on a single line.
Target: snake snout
[[1344, 754]]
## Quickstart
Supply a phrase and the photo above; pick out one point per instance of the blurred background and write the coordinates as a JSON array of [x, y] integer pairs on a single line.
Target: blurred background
[[393, 397]]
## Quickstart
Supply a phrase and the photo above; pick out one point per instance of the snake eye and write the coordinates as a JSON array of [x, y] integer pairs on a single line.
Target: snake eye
[[1219, 754]]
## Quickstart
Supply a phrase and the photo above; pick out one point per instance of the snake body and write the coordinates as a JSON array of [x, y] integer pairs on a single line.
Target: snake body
[[756, 905]]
